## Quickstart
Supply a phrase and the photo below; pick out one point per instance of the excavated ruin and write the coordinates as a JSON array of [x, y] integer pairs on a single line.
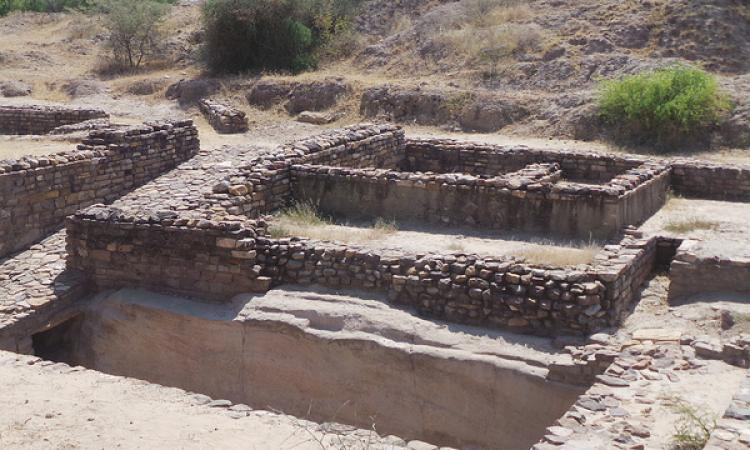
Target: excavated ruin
[[139, 255]]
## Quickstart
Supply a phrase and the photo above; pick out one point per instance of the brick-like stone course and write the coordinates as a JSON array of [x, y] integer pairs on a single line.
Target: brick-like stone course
[[214, 260], [37, 193], [450, 156], [695, 271], [711, 181], [223, 118], [527, 200], [264, 184], [43, 119]]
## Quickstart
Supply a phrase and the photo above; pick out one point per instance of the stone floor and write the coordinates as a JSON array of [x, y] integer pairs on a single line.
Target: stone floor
[[640, 401], [31, 280]]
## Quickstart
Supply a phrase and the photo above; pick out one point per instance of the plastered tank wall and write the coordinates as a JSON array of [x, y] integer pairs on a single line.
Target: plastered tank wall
[[273, 361], [43, 119], [37, 193]]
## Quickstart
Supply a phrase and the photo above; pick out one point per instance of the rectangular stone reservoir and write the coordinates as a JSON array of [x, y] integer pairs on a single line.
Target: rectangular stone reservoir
[[327, 356], [560, 195]]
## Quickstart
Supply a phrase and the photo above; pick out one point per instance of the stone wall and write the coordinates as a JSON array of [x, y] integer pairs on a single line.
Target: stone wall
[[219, 259], [191, 257], [699, 269], [691, 178], [223, 119], [224, 253], [449, 156], [37, 193], [711, 181], [529, 200], [264, 185], [43, 119]]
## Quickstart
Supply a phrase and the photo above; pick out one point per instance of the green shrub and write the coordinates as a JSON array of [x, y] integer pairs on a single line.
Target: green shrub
[[251, 35], [7, 6], [672, 106]]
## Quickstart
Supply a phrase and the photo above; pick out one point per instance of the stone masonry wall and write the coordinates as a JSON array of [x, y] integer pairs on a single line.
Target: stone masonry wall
[[449, 156], [37, 193], [217, 260], [711, 181], [264, 185], [43, 119], [696, 270], [163, 251], [528, 200], [225, 253]]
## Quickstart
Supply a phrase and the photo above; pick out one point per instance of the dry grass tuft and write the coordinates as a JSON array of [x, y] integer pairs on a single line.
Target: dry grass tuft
[[693, 428], [493, 31], [554, 256], [303, 219], [687, 225], [401, 23]]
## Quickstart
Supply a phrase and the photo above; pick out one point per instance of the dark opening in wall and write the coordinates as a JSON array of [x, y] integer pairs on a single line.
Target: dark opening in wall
[[57, 343]]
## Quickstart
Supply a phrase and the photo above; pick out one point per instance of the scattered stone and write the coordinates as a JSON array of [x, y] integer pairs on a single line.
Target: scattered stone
[[14, 89], [219, 404], [316, 118]]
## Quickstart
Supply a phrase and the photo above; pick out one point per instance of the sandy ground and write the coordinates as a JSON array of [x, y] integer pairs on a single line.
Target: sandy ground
[[722, 225], [17, 146], [58, 407], [412, 239]]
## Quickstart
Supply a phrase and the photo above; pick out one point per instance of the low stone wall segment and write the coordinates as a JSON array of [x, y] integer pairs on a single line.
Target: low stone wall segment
[[450, 156], [37, 193], [43, 119], [223, 118], [711, 181], [694, 272]]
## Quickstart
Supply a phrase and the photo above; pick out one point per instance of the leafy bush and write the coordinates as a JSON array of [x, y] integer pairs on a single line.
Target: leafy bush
[[133, 27], [670, 106], [7, 6], [244, 35]]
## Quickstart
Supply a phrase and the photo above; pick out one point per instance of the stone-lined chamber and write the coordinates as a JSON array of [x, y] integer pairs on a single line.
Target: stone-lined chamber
[[37, 193], [221, 248], [220, 252], [43, 119]]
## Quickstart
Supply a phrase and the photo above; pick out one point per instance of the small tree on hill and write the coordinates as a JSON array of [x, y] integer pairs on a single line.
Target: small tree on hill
[[133, 27]]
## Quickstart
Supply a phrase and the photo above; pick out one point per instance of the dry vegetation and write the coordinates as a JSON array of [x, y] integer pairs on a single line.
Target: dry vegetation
[[682, 226], [303, 219], [554, 256], [693, 427]]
